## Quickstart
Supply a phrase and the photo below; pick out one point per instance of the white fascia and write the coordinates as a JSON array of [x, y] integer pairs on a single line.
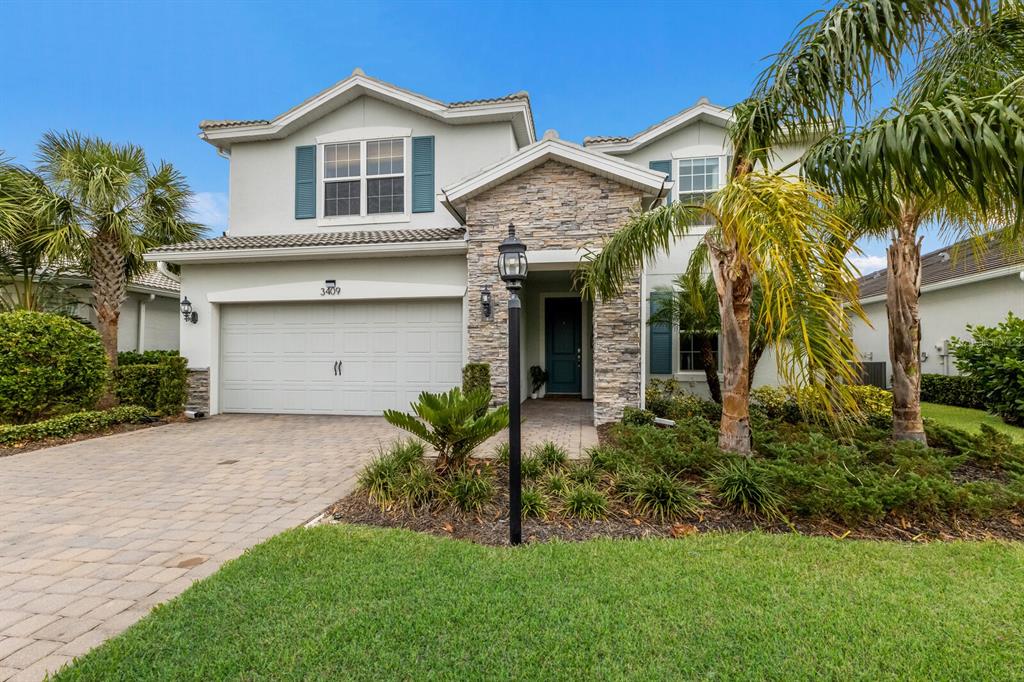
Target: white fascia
[[957, 281], [285, 253], [706, 111]]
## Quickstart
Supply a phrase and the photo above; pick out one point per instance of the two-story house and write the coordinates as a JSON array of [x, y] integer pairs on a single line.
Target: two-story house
[[361, 263]]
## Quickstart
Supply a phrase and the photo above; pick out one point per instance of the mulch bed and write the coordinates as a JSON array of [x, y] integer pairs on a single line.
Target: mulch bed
[[53, 442], [490, 527]]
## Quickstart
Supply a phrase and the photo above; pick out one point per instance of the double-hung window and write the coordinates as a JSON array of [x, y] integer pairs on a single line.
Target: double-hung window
[[698, 178], [691, 348], [364, 178]]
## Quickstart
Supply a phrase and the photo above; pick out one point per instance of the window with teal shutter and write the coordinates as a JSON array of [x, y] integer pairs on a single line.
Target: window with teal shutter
[[666, 168], [423, 174], [305, 182], [660, 347]]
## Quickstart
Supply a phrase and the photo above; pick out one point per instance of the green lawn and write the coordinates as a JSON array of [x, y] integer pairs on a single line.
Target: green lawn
[[357, 603], [968, 419]]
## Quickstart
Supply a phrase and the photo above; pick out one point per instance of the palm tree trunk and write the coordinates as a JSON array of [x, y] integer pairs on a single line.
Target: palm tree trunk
[[756, 351], [707, 359], [903, 289], [109, 286], [735, 285]]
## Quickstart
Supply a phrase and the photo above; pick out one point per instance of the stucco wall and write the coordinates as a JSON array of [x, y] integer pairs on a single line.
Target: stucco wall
[[262, 176], [555, 206], [944, 313], [160, 321]]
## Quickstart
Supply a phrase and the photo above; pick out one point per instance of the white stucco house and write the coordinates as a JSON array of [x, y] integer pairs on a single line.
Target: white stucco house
[[960, 286], [150, 315], [362, 248]]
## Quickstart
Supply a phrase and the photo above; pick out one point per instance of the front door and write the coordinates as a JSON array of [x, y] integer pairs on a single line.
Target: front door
[[562, 324]]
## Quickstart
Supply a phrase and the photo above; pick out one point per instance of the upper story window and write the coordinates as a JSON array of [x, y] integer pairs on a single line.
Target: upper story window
[[353, 187], [698, 178]]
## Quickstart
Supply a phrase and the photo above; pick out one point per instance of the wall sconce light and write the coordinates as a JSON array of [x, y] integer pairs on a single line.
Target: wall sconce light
[[485, 301], [187, 313]]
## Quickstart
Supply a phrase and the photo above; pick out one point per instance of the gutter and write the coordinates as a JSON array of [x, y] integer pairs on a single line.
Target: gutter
[[310, 252], [958, 281], [161, 267]]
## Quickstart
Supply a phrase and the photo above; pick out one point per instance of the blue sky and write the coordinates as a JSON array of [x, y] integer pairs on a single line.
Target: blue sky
[[148, 72]]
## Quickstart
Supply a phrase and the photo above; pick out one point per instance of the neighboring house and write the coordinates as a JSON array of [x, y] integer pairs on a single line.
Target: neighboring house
[[364, 227], [150, 315], [960, 286]]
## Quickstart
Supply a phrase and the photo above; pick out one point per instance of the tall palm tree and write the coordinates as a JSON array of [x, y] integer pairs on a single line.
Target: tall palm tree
[[111, 207], [942, 155]]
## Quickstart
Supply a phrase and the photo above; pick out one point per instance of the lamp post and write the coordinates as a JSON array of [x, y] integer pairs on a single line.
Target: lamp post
[[512, 266]]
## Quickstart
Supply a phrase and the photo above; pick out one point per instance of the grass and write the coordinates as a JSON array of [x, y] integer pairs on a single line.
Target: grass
[[968, 419], [349, 602]]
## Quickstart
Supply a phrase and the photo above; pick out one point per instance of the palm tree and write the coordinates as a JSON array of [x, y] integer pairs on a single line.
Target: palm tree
[[945, 153], [780, 232], [110, 207]]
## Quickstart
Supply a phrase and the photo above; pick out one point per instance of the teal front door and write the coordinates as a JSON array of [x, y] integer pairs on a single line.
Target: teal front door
[[563, 343]]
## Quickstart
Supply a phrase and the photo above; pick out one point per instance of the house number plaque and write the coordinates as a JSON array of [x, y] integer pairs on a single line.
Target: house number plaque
[[330, 288]]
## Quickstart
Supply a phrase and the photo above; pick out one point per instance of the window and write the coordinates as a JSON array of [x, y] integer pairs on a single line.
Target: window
[[347, 180], [690, 351], [698, 178]]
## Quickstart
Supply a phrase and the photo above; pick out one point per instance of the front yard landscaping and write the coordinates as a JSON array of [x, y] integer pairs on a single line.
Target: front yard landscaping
[[351, 602], [969, 419]]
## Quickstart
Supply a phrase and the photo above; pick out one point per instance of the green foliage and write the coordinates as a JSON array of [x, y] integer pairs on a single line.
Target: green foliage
[[994, 358], [159, 382], [530, 467], [551, 455], [873, 404], [956, 390], [476, 376], [747, 486], [661, 496], [149, 357], [687, 448], [637, 417], [501, 453], [584, 474], [49, 364], [417, 485], [73, 424], [586, 502], [382, 477], [556, 484], [538, 377], [667, 399], [469, 489], [453, 423], [534, 503]]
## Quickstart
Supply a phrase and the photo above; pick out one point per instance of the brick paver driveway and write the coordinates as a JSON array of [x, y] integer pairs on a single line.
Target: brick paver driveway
[[94, 534]]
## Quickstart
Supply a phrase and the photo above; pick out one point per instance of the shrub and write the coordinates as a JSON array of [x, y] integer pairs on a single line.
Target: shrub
[[586, 502], [551, 455], [453, 423], [49, 364], [534, 503], [531, 467], [501, 453], [469, 490], [416, 487], [666, 399], [794, 406], [661, 496], [160, 385], [958, 391], [637, 417], [381, 478], [612, 459], [149, 357], [748, 487], [770, 400], [994, 358], [476, 376], [556, 484], [584, 474], [73, 424], [538, 377]]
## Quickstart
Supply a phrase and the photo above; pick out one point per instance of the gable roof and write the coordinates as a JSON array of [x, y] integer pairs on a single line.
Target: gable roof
[[514, 108], [652, 183], [703, 110], [948, 266]]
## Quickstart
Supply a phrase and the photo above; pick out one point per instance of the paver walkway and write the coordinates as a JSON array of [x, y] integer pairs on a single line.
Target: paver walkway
[[94, 534], [564, 421]]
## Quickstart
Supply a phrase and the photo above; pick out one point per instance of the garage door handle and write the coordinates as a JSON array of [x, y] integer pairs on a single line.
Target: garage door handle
[[337, 367]]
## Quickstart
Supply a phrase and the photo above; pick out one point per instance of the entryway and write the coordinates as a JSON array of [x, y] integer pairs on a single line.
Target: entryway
[[563, 334]]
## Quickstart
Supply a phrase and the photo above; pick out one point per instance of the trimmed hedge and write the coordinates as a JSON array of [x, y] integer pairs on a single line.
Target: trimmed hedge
[[49, 364], [475, 376], [73, 424], [958, 391], [149, 357], [994, 357], [160, 386]]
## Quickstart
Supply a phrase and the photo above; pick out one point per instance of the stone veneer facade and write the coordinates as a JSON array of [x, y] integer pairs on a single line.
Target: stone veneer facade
[[198, 390], [555, 206]]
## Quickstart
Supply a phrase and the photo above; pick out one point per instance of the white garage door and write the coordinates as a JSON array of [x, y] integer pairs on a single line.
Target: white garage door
[[337, 358]]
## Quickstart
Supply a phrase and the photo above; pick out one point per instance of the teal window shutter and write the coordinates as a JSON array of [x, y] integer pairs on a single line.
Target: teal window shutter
[[660, 347], [666, 168], [423, 174], [305, 182]]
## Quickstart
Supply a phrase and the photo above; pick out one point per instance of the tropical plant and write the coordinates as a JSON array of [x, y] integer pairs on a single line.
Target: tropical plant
[[49, 364], [469, 490], [109, 206], [946, 153], [453, 423], [994, 359], [552, 456], [748, 487], [534, 503], [586, 502], [538, 377], [382, 478], [661, 496]]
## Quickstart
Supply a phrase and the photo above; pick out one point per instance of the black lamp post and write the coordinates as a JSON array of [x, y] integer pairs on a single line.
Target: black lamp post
[[512, 267]]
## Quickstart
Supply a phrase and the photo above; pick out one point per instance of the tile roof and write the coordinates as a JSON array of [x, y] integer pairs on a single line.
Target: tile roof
[[154, 280], [228, 123], [959, 260], [596, 139], [513, 97], [278, 241]]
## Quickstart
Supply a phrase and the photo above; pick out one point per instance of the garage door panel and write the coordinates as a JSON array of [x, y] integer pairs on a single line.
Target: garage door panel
[[281, 357]]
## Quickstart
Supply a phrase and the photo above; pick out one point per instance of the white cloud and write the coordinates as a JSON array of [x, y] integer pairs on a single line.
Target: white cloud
[[211, 209], [868, 263]]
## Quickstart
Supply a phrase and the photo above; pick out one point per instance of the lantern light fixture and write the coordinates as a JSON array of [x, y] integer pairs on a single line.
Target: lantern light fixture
[[187, 313], [512, 263]]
